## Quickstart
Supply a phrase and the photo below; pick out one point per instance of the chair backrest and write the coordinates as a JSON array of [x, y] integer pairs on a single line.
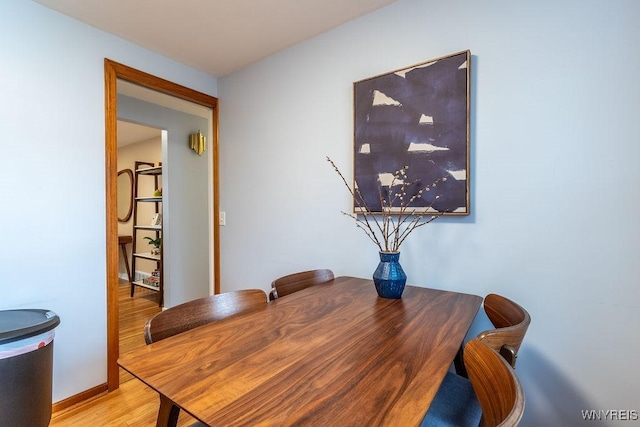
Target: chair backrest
[[495, 384], [511, 322], [295, 282], [202, 311]]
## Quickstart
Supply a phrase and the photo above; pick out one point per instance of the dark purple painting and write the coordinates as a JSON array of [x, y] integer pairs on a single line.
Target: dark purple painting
[[416, 117]]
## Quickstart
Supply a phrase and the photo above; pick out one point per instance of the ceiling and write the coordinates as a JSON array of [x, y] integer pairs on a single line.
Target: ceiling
[[130, 133], [215, 36]]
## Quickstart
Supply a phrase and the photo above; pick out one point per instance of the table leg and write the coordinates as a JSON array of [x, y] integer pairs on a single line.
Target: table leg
[[168, 413]]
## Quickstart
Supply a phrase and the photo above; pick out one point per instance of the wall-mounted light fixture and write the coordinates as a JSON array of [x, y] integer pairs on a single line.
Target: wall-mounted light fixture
[[197, 142]]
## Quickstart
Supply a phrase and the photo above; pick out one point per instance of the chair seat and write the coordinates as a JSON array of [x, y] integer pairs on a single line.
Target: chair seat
[[455, 404]]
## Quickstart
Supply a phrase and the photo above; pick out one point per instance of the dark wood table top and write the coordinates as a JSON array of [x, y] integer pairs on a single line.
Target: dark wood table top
[[333, 354], [124, 239]]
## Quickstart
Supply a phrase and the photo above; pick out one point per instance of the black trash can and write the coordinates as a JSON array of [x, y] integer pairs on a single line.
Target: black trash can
[[26, 366]]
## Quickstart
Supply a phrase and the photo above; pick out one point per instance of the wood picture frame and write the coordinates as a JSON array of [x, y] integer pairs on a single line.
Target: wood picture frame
[[417, 117]]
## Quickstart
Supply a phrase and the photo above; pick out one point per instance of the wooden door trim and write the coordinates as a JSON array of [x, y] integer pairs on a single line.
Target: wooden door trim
[[112, 72]]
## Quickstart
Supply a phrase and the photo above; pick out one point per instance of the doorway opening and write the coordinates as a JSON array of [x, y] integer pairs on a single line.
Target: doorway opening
[[113, 73]]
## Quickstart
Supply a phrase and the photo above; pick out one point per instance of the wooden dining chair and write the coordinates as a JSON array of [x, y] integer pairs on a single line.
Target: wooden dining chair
[[492, 396], [201, 311], [196, 313], [511, 322], [297, 281]]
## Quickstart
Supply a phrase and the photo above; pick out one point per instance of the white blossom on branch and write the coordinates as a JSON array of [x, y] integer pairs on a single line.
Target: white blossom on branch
[[397, 219]]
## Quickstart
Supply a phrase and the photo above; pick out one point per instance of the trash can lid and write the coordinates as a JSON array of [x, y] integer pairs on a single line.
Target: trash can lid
[[19, 324]]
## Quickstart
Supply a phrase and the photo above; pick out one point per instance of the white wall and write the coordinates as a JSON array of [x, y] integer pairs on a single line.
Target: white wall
[[555, 177], [52, 227]]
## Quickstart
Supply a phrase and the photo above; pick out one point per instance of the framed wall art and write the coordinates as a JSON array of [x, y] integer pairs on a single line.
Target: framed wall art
[[415, 118]]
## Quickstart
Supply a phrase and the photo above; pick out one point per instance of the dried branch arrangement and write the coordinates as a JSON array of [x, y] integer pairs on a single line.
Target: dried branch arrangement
[[389, 228]]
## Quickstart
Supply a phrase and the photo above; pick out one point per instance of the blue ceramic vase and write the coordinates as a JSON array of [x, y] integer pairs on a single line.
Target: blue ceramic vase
[[389, 276]]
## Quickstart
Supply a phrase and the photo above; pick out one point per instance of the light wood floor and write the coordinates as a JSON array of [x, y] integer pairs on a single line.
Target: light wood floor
[[133, 404], [133, 314]]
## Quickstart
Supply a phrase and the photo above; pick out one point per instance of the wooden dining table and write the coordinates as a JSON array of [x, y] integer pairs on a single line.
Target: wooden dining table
[[334, 354]]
